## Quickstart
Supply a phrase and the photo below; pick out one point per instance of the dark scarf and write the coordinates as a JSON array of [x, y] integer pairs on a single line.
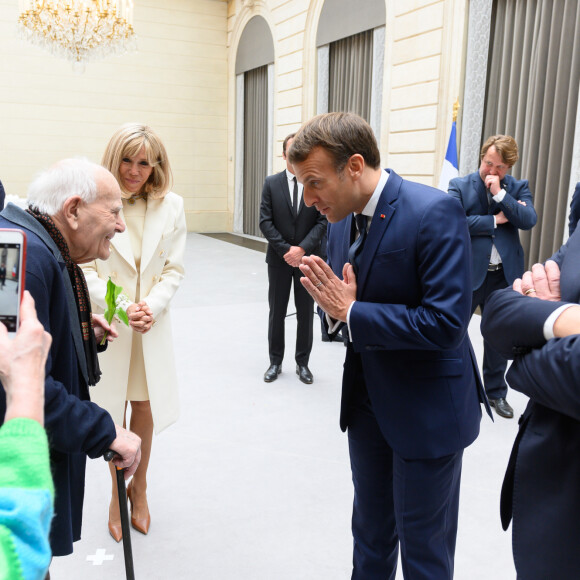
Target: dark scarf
[[81, 292]]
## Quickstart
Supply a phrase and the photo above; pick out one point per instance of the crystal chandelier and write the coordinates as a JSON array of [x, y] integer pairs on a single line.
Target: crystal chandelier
[[79, 30]]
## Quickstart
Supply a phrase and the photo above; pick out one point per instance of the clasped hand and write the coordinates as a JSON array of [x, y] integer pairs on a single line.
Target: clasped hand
[[293, 256], [541, 282], [331, 293], [140, 317]]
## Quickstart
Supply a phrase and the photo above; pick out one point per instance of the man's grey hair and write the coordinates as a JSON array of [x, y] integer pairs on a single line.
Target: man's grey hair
[[69, 177]]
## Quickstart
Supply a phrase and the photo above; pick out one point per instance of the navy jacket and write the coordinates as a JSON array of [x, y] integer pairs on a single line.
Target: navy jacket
[[470, 191], [574, 210], [541, 488], [409, 323], [75, 426]]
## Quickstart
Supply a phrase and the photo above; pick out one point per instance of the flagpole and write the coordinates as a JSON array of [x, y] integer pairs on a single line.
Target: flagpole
[[455, 110], [450, 167]]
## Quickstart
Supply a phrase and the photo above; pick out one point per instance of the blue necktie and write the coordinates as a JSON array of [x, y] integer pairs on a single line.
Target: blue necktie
[[357, 246]]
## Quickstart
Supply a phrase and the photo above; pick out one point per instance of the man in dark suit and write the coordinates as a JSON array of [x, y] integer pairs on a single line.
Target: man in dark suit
[[411, 392], [293, 231], [62, 231], [497, 207], [2, 196], [574, 210], [538, 325]]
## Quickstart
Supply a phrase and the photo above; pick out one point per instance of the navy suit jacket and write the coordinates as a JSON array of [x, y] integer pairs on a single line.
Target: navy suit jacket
[[281, 228], [574, 210], [75, 426], [470, 191], [409, 323], [541, 488]]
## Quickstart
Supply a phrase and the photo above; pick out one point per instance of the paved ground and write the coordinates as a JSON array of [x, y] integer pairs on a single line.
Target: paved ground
[[253, 482]]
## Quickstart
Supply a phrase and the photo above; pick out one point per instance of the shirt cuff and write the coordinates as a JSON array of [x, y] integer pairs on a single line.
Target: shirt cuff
[[500, 195], [348, 320], [551, 320], [332, 324]]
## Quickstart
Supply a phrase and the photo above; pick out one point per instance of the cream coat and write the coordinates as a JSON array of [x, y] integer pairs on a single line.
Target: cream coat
[[160, 273]]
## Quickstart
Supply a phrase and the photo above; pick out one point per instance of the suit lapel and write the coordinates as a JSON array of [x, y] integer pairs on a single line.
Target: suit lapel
[[122, 244], [285, 189], [383, 214], [479, 186], [346, 237], [155, 223]]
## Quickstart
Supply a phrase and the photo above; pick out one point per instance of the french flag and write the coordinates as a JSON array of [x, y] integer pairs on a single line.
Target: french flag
[[450, 168]]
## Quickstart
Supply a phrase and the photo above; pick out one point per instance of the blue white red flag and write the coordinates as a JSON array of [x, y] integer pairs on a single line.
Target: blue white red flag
[[450, 168]]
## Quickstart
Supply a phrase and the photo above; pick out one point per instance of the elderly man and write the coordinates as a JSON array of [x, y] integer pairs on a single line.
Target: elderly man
[[410, 392], [73, 214], [538, 325], [497, 207]]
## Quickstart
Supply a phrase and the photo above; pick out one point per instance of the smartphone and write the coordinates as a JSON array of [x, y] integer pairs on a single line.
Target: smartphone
[[12, 270]]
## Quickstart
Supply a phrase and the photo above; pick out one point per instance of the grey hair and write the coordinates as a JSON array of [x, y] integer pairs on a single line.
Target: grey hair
[[69, 177]]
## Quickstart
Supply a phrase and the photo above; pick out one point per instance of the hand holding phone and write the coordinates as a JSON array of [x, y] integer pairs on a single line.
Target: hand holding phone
[[12, 271]]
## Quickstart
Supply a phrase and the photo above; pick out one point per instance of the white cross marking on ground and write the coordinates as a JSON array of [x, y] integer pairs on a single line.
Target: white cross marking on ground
[[100, 557]]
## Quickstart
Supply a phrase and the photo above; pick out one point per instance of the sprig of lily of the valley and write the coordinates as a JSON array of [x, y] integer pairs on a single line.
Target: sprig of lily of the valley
[[113, 292]]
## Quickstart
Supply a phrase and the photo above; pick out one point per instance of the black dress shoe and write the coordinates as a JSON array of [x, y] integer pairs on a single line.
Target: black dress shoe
[[272, 373], [502, 408], [304, 374]]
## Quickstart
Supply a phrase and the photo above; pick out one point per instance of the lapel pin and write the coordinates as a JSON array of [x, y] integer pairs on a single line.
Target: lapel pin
[[382, 216]]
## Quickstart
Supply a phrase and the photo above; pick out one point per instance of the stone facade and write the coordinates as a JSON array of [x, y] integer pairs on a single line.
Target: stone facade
[[182, 82]]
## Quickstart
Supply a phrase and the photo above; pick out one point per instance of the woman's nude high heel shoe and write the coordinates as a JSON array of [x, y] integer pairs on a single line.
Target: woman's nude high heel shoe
[[141, 524], [115, 529]]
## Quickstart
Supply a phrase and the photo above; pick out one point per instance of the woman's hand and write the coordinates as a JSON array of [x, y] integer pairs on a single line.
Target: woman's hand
[[140, 317]]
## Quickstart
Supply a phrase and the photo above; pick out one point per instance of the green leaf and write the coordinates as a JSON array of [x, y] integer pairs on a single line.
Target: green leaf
[[113, 292], [122, 316]]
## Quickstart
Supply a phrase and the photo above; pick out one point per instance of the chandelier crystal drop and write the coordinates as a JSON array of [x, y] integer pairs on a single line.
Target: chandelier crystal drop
[[79, 30]]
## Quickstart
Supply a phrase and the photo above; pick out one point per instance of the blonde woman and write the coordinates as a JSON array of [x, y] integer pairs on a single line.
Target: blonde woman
[[147, 261]]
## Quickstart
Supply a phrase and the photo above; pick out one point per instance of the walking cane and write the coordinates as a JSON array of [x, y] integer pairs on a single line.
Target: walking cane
[[122, 493]]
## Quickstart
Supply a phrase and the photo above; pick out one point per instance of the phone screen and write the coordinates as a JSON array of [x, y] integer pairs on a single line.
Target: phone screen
[[10, 277]]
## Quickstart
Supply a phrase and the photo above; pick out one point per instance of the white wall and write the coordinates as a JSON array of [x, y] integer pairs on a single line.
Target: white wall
[[176, 82]]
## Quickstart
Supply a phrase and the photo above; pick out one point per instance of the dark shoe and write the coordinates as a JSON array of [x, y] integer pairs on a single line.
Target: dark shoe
[[304, 374], [502, 408], [272, 373]]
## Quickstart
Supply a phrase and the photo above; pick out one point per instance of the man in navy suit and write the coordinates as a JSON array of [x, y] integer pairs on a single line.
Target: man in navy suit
[[497, 207], [538, 325], [64, 229], [411, 392], [574, 210], [292, 230]]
